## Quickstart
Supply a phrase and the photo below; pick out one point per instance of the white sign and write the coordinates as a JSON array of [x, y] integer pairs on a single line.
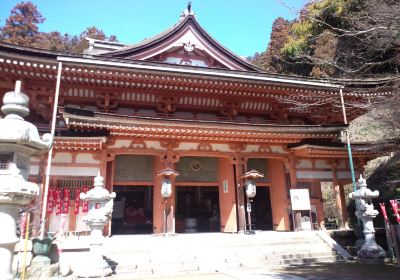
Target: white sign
[[300, 199], [248, 207], [225, 184]]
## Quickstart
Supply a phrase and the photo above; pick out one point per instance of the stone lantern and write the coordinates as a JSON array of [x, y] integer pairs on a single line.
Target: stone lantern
[[19, 141], [251, 189], [101, 204], [166, 190], [370, 252]]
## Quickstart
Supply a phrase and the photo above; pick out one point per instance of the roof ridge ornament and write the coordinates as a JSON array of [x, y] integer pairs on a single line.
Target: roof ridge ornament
[[188, 11]]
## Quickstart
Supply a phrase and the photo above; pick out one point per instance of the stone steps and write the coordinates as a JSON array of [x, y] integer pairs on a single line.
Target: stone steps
[[146, 256]]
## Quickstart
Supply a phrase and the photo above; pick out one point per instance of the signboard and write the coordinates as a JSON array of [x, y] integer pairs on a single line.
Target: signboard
[[248, 207], [225, 184], [300, 199]]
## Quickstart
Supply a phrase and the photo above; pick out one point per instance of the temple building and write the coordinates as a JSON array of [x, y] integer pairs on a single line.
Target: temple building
[[181, 100]]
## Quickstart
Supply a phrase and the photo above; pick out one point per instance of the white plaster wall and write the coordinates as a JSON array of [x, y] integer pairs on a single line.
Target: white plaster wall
[[345, 175], [314, 174], [121, 143], [153, 145], [34, 170], [221, 147], [73, 171], [320, 164], [277, 149], [86, 158], [304, 163], [35, 159], [251, 148], [187, 146], [62, 158]]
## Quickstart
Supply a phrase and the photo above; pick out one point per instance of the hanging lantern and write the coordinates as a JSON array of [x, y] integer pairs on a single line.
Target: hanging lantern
[[250, 188], [166, 188], [250, 182], [166, 183]]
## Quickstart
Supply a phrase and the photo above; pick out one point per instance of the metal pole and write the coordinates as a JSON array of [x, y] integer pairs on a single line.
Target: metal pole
[[50, 154], [353, 177]]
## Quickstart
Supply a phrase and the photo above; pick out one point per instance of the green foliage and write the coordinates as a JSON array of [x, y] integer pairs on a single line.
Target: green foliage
[[21, 28]]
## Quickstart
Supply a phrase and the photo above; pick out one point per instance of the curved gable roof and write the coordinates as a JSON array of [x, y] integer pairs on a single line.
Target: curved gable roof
[[169, 36]]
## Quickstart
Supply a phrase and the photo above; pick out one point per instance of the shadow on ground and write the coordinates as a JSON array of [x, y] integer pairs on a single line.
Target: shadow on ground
[[344, 271]]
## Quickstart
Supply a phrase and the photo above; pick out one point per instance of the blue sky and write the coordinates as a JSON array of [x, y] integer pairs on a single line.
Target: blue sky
[[242, 26]]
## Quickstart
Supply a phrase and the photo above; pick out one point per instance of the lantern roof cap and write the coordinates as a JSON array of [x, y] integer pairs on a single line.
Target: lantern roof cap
[[252, 174], [169, 172]]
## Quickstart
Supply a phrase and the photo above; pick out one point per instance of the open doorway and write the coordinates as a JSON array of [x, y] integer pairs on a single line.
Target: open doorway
[[261, 214], [197, 209], [133, 210]]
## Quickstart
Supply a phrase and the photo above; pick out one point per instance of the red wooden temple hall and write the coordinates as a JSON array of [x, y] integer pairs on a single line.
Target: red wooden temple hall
[[182, 100]]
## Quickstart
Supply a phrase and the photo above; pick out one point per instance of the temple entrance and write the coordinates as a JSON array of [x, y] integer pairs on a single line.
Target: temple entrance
[[133, 210], [197, 209], [261, 214]]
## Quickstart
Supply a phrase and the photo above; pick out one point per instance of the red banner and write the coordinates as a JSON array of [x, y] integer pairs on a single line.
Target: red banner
[[50, 201], [85, 204], [66, 199], [395, 210], [58, 201], [77, 200], [383, 209]]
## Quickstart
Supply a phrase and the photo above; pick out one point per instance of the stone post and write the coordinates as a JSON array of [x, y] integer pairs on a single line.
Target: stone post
[[19, 141], [101, 204], [370, 252]]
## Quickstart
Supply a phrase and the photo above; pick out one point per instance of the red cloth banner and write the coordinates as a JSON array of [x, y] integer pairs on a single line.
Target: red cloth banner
[[77, 200], [66, 199], [57, 195], [383, 209], [395, 210], [85, 204], [50, 201]]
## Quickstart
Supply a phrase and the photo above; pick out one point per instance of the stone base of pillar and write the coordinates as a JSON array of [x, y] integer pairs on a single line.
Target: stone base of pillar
[[371, 254], [92, 265]]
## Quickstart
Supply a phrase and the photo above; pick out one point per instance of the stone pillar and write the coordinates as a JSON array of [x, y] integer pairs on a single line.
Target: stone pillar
[[227, 203], [279, 204], [19, 141]]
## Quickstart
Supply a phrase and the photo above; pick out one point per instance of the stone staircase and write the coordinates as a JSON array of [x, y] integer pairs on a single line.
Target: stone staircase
[[146, 256]]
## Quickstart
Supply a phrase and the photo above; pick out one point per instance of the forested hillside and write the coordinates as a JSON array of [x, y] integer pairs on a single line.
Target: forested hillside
[[21, 28], [352, 39]]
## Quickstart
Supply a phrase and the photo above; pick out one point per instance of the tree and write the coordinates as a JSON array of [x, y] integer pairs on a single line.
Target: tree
[[21, 26]]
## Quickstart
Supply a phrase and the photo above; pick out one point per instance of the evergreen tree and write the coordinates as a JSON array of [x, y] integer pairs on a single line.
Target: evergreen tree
[[21, 26]]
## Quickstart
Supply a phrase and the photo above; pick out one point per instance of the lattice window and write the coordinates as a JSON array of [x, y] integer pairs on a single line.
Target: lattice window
[[73, 183], [259, 164], [132, 168], [197, 169], [5, 159]]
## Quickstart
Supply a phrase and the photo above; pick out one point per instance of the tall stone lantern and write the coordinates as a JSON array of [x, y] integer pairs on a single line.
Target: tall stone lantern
[[101, 204], [19, 141], [251, 190], [370, 252]]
